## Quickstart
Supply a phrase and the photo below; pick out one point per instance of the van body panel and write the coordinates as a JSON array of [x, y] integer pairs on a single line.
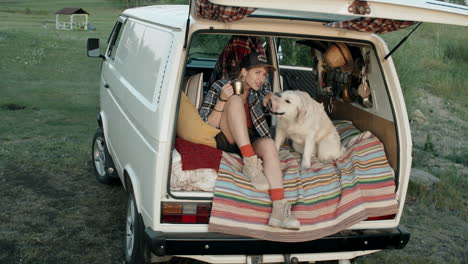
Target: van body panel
[[171, 16], [141, 82], [166, 118], [215, 244], [109, 105], [131, 105], [416, 10], [402, 126]]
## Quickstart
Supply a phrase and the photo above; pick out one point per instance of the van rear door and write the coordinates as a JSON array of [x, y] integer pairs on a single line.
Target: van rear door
[[416, 10]]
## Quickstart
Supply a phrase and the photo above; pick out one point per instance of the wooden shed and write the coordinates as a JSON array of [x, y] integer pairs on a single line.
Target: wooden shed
[[71, 18]]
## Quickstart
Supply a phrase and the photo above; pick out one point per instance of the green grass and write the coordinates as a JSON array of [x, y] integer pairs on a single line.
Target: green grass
[[460, 157], [438, 61], [54, 211], [49, 194], [436, 216]]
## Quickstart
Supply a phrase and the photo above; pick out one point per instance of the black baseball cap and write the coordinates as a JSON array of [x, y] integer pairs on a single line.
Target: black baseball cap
[[254, 60]]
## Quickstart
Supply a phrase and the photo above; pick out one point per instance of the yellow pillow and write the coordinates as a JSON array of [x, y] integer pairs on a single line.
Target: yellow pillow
[[191, 127]]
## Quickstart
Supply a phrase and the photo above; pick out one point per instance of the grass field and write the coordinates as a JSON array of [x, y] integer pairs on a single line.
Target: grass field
[[54, 211]]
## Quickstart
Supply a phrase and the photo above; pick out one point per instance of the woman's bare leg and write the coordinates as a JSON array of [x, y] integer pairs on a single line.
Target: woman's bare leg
[[266, 150], [233, 122], [281, 215], [234, 127]]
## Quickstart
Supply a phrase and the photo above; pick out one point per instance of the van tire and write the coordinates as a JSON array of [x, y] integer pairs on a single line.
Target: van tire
[[104, 168], [136, 250]]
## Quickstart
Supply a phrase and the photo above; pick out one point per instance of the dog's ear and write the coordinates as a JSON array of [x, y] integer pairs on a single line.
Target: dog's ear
[[301, 109], [300, 117]]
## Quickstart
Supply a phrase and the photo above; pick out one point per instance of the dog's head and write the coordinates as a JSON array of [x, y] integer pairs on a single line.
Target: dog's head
[[293, 105]]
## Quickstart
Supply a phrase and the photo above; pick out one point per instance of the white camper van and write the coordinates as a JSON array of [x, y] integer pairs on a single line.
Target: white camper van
[[158, 55]]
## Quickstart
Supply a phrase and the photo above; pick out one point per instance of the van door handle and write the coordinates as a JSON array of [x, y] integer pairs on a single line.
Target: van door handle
[[106, 85]]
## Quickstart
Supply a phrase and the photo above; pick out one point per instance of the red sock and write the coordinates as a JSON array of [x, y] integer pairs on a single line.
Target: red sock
[[247, 150], [277, 194]]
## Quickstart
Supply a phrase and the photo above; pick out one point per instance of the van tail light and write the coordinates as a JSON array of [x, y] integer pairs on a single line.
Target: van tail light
[[384, 217], [185, 213]]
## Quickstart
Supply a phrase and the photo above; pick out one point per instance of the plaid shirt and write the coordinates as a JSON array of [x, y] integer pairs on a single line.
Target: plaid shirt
[[369, 24], [208, 10], [255, 100]]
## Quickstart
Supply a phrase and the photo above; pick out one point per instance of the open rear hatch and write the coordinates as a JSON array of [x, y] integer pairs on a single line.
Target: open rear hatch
[[338, 10]]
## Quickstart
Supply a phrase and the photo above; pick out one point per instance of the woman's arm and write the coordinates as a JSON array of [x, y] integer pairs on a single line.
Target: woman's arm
[[214, 118], [213, 104]]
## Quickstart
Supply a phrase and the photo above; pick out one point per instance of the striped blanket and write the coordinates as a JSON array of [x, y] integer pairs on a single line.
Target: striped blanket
[[326, 198]]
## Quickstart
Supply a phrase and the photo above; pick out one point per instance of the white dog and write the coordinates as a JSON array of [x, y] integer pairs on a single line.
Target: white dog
[[304, 120]]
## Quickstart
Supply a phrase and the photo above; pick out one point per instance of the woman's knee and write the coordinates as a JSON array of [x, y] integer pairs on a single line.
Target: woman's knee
[[234, 101]]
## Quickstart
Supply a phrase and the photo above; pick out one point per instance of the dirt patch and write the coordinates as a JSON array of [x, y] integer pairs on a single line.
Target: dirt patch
[[35, 181], [445, 128], [13, 107]]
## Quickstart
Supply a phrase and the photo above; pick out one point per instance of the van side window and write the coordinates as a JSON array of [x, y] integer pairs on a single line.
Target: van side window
[[296, 66], [114, 40], [291, 52]]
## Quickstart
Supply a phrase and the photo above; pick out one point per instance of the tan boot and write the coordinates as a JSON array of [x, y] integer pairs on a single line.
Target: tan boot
[[281, 216], [254, 170]]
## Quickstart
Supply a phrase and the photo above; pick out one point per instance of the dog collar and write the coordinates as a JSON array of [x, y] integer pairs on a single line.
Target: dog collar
[[268, 107], [276, 113]]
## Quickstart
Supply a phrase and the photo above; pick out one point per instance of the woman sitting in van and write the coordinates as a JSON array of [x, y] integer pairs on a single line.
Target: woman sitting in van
[[244, 130]]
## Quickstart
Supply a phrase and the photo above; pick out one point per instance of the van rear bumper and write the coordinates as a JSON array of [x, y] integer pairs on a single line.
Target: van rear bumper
[[162, 244]]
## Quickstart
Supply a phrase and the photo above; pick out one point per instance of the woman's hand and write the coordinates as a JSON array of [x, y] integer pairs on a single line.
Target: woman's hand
[[226, 92], [270, 99]]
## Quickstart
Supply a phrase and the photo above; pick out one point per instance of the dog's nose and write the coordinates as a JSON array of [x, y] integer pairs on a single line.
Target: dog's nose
[[278, 94]]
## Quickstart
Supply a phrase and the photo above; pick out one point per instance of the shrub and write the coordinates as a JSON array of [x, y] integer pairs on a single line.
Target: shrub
[[456, 50], [428, 145]]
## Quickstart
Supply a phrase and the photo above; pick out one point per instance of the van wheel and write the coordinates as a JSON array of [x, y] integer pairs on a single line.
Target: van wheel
[[104, 168], [136, 250]]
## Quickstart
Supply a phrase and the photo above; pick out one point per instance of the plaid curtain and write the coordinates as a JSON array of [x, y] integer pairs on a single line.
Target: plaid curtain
[[231, 55], [206, 9], [369, 24]]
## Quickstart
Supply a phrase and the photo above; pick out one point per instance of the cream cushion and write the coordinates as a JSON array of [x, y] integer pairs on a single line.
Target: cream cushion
[[194, 89]]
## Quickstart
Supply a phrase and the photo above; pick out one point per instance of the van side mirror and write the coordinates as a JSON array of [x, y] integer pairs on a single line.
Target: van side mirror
[[93, 48]]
